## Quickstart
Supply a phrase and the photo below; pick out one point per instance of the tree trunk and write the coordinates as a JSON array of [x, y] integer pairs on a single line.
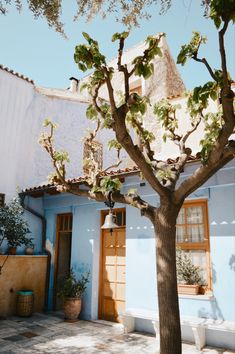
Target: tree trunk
[[165, 230]]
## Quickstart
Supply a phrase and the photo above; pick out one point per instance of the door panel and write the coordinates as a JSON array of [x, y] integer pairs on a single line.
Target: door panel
[[109, 273], [113, 274], [121, 289], [63, 253]]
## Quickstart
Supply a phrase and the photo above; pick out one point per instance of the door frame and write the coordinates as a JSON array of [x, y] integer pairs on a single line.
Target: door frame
[[58, 216], [102, 217]]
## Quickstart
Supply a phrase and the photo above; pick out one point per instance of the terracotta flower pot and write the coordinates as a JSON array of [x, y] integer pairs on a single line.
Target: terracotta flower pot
[[188, 289], [29, 251], [12, 250], [72, 308]]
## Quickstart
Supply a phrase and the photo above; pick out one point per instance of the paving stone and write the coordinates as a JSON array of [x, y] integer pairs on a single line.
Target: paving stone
[[49, 334], [15, 338]]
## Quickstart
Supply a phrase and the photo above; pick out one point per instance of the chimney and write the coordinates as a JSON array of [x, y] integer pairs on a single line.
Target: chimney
[[73, 84]]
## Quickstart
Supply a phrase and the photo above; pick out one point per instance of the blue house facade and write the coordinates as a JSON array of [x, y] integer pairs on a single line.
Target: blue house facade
[[68, 228], [130, 270]]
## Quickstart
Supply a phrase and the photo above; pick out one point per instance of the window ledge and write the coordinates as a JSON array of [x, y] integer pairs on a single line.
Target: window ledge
[[197, 297]]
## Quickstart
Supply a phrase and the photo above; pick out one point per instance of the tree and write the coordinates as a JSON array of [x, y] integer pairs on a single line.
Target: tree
[[131, 11], [216, 147], [50, 9]]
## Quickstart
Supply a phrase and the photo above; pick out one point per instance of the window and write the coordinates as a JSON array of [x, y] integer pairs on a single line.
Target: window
[[2, 199], [136, 87], [98, 147], [192, 235], [119, 216]]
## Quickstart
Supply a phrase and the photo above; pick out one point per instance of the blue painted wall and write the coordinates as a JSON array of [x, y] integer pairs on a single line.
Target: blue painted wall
[[140, 247]]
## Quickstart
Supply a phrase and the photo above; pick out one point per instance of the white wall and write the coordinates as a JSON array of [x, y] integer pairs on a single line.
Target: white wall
[[169, 149], [22, 111]]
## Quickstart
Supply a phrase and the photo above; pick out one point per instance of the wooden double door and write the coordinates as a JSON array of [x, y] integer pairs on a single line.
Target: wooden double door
[[113, 273]]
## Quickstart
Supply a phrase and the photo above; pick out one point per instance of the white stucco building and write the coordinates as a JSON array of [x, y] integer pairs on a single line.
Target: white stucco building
[[24, 106]]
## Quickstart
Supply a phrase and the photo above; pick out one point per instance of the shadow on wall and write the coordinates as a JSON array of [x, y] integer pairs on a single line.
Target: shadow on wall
[[214, 275], [79, 269], [231, 262], [215, 312]]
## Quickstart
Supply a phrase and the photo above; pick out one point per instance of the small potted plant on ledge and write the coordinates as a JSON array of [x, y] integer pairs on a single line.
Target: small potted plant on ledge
[[188, 275], [71, 290], [13, 227]]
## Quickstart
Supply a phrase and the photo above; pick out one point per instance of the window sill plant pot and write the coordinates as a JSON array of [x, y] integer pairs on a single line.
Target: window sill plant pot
[[187, 289], [11, 250], [71, 290], [29, 250], [188, 275]]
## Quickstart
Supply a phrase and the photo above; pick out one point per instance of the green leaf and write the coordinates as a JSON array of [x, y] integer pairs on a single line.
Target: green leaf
[[82, 67], [108, 184], [114, 144], [86, 36], [132, 191], [84, 86], [217, 22], [190, 50], [91, 112], [47, 122], [118, 36]]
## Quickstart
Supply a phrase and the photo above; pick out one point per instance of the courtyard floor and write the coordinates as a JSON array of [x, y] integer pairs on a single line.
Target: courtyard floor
[[50, 334]]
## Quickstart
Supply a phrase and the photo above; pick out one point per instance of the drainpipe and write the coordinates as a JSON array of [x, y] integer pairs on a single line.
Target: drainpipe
[[45, 250]]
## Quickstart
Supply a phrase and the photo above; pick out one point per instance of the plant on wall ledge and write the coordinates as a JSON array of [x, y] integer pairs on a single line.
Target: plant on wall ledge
[[13, 227], [189, 276]]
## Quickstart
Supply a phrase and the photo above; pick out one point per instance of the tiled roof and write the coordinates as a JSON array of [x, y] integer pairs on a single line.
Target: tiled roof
[[124, 172], [16, 74]]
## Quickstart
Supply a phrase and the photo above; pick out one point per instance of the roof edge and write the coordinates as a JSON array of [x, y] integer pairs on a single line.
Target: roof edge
[[15, 73]]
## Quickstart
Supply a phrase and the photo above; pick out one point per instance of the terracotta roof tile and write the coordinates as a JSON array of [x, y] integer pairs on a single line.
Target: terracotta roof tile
[[10, 71], [124, 172]]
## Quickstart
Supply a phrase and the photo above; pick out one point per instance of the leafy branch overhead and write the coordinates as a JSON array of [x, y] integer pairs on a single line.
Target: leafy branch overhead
[[129, 12], [127, 114]]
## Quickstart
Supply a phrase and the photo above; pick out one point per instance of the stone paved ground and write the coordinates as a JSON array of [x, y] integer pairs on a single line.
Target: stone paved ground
[[50, 334]]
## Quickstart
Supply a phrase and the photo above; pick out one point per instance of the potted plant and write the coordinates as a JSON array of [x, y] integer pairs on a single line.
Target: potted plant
[[188, 275], [13, 227], [71, 290]]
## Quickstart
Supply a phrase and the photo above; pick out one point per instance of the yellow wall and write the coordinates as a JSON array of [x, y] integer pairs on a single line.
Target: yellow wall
[[22, 272]]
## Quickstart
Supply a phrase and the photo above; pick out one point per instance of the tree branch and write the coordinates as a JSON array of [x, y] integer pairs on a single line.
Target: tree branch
[[94, 99], [123, 68], [145, 208], [185, 152], [150, 152], [114, 165], [205, 62], [222, 32], [110, 89], [145, 56], [124, 138], [203, 173]]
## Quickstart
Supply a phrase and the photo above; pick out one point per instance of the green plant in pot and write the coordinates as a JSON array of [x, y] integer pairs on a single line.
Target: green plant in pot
[[13, 227], [71, 290], [189, 276]]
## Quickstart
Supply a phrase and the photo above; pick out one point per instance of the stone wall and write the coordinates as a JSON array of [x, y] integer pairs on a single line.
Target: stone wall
[[21, 273]]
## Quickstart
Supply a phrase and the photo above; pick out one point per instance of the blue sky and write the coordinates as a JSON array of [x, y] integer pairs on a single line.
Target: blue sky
[[31, 48]]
